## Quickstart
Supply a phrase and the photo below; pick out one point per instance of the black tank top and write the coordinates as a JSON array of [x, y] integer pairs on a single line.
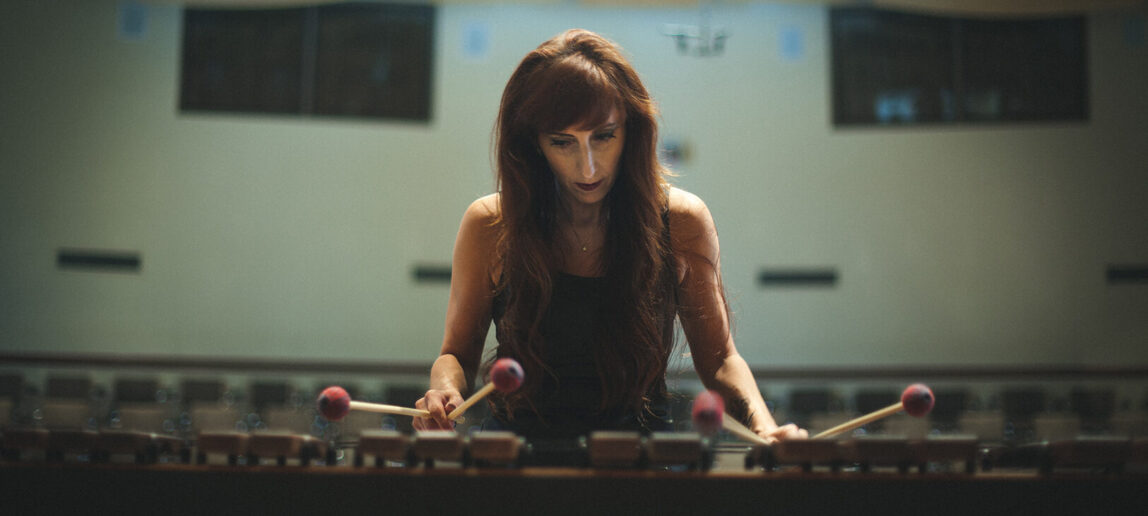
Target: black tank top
[[568, 404]]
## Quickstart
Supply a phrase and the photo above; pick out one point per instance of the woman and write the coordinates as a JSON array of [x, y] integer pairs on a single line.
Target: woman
[[583, 259]]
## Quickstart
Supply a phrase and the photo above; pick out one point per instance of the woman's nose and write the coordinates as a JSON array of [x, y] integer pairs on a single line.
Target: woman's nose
[[589, 166]]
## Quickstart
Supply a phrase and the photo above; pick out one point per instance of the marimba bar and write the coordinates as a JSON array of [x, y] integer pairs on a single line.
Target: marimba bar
[[614, 450]]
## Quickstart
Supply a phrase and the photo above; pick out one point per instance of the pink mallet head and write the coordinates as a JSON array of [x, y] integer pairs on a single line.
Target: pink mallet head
[[917, 399], [334, 403], [507, 375], [707, 413]]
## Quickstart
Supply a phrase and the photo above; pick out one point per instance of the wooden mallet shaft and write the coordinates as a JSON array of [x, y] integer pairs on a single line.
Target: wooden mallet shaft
[[863, 420], [736, 428], [381, 408], [474, 398]]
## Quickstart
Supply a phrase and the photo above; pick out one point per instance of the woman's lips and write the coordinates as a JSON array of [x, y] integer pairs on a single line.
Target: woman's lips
[[589, 187]]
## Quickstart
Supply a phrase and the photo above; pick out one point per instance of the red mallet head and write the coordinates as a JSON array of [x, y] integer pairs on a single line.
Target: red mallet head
[[507, 375], [707, 413], [917, 399], [334, 403]]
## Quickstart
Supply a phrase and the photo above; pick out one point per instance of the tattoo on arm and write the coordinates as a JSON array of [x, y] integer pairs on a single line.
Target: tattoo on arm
[[739, 410]]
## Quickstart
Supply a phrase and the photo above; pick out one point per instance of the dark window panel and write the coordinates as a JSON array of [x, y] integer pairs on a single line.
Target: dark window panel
[[892, 68], [355, 59], [246, 61], [1025, 69], [904, 68], [373, 62]]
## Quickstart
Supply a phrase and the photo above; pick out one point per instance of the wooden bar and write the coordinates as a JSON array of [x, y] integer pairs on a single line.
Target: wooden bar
[[175, 489]]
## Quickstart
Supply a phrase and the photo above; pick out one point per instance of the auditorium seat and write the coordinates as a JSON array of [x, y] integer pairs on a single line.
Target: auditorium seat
[[1095, 408], [1055, 426], [681, 406], [289, 410], [141, 404], [296, 419], [950, 405], [987, 425], [7, 409], [194, 390], [814, 408], [11, 392], [208, 406], [904, 425], [274, 399], [407, 395], [870, 400], [356, 422], [1020, 406], [1130, 423], [70, 402], [213, 418]]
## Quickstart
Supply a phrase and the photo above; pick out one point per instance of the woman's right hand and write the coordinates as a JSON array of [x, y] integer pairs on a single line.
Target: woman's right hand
[[439, 402]]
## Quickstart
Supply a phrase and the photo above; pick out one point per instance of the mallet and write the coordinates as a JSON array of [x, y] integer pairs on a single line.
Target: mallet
[[506, 375], [917, 400], [334, 403], [709, 415]]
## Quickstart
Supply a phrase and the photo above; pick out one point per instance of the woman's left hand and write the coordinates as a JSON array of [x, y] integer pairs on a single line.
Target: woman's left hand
[[784, 432]]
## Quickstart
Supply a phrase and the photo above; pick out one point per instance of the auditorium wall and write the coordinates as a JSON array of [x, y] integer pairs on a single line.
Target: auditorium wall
[[292, 237]]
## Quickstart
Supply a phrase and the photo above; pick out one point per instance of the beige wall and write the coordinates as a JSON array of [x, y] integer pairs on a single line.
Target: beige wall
[[291, 237]]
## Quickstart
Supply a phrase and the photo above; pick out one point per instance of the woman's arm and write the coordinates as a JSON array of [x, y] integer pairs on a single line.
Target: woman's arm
[[468, 315], [704, 315]]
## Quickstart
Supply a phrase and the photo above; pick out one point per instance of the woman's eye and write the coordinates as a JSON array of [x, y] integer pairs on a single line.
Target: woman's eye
[[606, 136], [559, 143]]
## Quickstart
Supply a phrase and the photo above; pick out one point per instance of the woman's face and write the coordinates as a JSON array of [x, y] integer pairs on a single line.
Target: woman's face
[[585, 162]]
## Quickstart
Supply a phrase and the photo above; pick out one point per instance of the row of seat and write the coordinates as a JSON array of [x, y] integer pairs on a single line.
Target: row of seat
[[145, 404], [211, 404]]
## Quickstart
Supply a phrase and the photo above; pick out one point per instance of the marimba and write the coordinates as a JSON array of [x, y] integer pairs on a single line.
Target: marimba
[[687, 451], [611, 472]]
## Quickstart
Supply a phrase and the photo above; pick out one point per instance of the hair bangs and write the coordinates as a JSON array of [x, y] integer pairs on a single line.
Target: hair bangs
[[572, 92]]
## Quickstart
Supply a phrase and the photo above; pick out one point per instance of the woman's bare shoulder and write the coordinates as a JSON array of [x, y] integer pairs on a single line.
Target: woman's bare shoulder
[[477, 231], [482, 215], [485, 207], [689, 215], [477, 241]]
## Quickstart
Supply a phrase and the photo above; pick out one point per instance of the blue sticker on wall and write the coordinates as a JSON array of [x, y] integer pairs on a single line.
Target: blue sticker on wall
[[131, 23], [791, 42], [476, 41]]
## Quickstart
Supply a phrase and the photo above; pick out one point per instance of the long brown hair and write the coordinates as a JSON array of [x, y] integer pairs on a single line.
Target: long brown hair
[[579, 78]]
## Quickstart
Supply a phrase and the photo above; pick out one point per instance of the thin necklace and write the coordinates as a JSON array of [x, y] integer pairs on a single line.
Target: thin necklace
[[582, 243], [578, 236]]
